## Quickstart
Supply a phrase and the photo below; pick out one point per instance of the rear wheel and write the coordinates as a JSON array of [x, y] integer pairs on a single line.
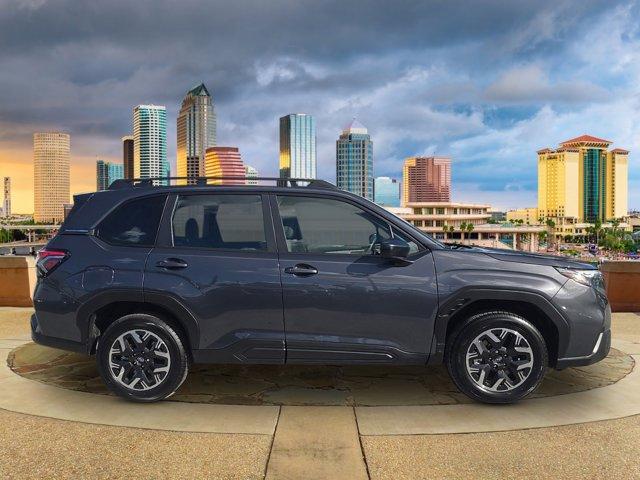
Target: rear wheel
[[141, 358], [497, 357]]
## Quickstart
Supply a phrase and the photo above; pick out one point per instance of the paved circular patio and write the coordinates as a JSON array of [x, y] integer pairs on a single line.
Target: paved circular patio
[[307, 385]]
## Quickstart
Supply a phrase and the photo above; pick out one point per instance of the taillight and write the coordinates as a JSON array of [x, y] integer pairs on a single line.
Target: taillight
[[49, 259]]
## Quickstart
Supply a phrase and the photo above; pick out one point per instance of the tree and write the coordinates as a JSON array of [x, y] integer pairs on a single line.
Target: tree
[[463, 228], [470, 228], [550, 226]]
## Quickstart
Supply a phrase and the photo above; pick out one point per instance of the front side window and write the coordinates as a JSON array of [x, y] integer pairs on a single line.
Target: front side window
[[133, 224], [229, 222], [320, 225]]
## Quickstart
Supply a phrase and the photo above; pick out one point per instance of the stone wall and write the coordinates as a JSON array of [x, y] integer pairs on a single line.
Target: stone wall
[[623, 285], [17, 281]]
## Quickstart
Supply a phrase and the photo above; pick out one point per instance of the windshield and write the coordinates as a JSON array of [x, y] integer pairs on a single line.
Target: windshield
[[420, 232]]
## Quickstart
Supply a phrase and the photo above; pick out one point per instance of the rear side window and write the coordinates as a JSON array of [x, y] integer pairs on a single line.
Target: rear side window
[[133, 224], [229, 222]]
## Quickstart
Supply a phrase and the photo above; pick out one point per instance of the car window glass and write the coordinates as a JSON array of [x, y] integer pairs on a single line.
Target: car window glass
[[232, 222], [135, 223], [319, 225]]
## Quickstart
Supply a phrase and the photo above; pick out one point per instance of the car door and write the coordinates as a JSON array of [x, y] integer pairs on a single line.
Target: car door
[[342, 302], [216, 257]]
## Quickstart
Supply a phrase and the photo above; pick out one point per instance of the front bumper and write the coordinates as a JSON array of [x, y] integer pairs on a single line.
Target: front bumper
[[600, 350]]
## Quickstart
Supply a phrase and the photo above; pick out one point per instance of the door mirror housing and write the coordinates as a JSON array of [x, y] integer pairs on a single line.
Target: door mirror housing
[[395, 249]]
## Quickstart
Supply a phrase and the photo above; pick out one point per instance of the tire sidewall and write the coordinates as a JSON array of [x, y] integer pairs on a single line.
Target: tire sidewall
[[177, 370], [456, 359]]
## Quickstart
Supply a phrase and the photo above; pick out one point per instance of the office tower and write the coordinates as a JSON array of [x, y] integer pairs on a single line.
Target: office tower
[[7, 197], [127, 156], [250, 173], [297, 146], [583, 181], [387, 192], [107, 173], [196, 131], [150, 143], [51, 156], [224, 162], [354, 160], [426, 179]]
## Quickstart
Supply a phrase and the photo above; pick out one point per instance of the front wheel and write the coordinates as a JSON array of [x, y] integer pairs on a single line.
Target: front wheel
[[141, 358], [497, 357]]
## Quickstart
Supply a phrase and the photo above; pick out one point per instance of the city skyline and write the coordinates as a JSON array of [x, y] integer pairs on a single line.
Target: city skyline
[[488, 96]]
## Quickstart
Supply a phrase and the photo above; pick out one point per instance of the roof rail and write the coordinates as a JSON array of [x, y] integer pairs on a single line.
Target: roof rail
[[204, 181]]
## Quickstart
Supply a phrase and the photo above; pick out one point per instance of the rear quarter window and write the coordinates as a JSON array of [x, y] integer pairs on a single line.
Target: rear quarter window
[[135, 223]]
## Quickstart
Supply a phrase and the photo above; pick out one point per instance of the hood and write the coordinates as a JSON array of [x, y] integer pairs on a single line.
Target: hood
[[532, 258]]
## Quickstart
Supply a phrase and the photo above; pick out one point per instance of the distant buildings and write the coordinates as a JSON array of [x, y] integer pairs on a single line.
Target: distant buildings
[[150, 143], [251, 174], [583, 182], [127, 156], [6, 209], [107, 173], [426, 179], [196, 131], [51, 156], [298, 146], [387, 191], [354, 160], [224, 162], [529, 216]]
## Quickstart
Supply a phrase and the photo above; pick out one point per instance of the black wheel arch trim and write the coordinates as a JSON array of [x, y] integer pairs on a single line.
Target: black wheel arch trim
[[469, 295], [86, 314]]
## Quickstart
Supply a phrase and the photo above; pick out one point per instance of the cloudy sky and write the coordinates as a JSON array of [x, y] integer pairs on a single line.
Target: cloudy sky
[[485, 82]]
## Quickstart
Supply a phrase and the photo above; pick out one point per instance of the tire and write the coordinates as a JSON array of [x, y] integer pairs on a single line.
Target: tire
[[153, 363], [496, 372]]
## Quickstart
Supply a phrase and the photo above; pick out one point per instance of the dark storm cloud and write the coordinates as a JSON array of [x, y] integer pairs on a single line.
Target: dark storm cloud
[[419, 74]]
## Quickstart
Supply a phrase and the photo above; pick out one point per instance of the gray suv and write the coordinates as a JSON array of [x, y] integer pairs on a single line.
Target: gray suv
[[151, 279]]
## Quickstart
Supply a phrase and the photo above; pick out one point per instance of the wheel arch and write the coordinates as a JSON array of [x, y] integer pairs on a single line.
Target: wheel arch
[[532, 306]]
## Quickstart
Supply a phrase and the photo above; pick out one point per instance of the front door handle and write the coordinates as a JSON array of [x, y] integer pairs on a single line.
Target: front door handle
[[172, 263], [301, 270]]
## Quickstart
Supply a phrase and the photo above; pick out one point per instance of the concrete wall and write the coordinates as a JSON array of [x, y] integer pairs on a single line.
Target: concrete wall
[[623, 285], [17, 280]]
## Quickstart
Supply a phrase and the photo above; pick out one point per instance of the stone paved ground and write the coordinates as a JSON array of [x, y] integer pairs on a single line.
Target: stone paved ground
[[34, 447]]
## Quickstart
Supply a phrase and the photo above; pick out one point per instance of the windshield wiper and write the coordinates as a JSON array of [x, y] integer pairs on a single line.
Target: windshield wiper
[[455, 245]]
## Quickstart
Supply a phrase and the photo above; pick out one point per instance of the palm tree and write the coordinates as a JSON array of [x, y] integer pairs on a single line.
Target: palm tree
[[463, 228], [470, 228], [445, 229], [550, 226]]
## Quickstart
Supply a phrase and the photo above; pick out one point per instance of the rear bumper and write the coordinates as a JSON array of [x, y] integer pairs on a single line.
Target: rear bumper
[[54, 342], [600, 350]]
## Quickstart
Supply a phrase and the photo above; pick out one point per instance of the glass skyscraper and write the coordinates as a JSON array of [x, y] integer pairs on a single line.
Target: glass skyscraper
[[107, 173], [297, 146], [387, 191], [196, 131], [354, 160], [150, 143]]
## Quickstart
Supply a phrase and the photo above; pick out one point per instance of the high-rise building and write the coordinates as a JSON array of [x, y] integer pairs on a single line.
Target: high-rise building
[[224, 162], [150, 143], [7, 197], [127, 156], [251, 174], [51, 156], [196, 131], [354, 160], [107, 173], [426, 179], [583, 181], [297, 146], [387, 192]]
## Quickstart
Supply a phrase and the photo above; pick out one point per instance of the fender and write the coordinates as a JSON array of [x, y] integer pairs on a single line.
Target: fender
[[468, 295], [85, 317]]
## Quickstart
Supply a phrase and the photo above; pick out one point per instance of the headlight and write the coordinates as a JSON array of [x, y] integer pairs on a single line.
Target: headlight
[[590, 278]]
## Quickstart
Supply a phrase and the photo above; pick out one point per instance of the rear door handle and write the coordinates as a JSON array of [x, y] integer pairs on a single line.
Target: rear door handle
[[301, 270], [172, 263]]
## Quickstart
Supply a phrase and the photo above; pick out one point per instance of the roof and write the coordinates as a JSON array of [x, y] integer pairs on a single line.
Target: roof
[[545, 150], [620, 150], [586, 139], [354, 126], [199, 90]]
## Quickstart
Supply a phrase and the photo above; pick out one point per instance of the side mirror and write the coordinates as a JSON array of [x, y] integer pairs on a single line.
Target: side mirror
[[395, 249]]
